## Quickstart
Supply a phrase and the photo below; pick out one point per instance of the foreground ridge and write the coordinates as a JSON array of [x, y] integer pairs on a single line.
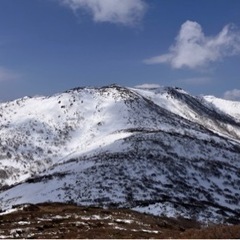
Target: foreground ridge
[[58, 220]]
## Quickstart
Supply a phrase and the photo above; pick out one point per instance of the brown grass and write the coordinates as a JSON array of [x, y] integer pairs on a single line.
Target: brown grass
[[57, 220]]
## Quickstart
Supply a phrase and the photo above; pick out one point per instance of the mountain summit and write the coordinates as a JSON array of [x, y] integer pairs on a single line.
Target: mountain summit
[[160, 151]]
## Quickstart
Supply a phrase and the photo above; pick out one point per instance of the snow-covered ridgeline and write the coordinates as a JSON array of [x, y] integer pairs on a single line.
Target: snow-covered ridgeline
[[124, 146]]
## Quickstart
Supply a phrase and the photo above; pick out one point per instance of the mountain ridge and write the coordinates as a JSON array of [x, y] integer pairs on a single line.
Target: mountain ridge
[[161, 151]]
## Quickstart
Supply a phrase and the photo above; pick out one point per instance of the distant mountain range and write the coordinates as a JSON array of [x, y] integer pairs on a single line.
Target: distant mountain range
[[159, 151]]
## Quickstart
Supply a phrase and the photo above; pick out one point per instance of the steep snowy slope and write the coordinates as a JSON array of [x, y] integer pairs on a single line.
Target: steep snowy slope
[[141, 149], [219, 115], [37, 132], [230, 107]]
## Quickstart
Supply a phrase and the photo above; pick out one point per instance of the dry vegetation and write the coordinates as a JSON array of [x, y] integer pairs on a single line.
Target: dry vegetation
[[56, 220]]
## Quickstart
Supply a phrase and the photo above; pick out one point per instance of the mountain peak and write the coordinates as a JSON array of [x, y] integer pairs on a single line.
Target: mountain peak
[[155, 150]]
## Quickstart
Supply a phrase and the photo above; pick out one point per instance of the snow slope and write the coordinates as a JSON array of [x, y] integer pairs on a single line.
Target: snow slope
[[161, 151], [219, 115], [230, 107]]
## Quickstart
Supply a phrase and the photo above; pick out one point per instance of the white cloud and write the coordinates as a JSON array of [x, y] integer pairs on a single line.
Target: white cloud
[[126, 12], [7, 75], [148, 86], [232, 95], [193, 49]]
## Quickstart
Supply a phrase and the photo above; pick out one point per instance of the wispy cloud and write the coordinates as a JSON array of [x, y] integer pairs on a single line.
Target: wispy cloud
[[7, 75], [148, 85], [192, 49], [232, 95], [125, 12]]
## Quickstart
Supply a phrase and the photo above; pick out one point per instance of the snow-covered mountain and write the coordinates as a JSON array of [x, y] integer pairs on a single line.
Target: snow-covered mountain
[[160, 150]]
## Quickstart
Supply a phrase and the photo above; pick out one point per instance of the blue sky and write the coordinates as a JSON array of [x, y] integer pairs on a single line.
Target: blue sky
[[49, 46]]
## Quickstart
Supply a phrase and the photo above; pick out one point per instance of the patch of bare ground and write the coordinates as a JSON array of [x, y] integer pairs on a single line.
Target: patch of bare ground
[[57, 220]]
